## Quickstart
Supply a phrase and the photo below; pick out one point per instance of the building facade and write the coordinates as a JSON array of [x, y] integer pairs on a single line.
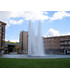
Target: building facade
[[24, 41], [2, 35], [58, 44]]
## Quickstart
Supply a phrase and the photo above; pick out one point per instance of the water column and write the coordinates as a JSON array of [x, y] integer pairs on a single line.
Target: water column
[[29, 38], [33, 40], [35, 43], [40, 46]]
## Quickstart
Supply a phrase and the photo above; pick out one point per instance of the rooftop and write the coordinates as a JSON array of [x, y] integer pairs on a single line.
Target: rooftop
[[57, 36], [3, 22]]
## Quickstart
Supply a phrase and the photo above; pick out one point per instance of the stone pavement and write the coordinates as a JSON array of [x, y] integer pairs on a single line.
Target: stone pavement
[[33, 57]]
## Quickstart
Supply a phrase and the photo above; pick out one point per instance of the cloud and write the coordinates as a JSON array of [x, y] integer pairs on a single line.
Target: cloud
[[52, 32], [59, 15], [16, 22], [31, 15], [5, 15], [27, 15], [39, 15], [8, 16]]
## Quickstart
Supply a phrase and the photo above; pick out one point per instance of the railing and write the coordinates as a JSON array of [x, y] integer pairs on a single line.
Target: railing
[[64, 40]]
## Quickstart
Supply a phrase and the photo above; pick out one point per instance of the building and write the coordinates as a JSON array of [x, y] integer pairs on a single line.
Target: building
[[24, 41], [52, 45], [58, 44], [11, 47], [2, 35]]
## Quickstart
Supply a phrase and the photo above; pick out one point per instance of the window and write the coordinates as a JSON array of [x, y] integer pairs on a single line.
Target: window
[[69, 42], [3, 28], [49, 43], [62, 39], [52, 39], [3, 24], [65, 38], [55, 42], [49, 39], [62, 47], [65, 42], [65, 47], [52, 43]]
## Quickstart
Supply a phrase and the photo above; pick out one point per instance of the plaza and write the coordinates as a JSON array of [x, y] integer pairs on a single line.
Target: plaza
[[25, 56]]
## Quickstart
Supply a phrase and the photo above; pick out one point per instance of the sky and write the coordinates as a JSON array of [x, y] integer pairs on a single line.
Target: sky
[[53, 23]]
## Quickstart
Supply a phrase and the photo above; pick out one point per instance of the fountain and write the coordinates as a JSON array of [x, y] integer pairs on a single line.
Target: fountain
[[35, 43]]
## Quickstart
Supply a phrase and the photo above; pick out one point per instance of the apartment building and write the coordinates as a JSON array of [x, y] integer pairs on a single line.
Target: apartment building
[[57, 44], [2, 35], [24, 41]]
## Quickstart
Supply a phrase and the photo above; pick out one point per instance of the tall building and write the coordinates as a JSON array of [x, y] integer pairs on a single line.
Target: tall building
[[58, 44], [2, 35], [24, 41]]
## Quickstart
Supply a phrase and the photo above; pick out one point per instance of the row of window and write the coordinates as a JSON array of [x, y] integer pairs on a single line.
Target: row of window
[[65, 42], [52, 46], [56, 43], [51, 42], [65, 38], [51, 39], [62, 47], [65, 47]]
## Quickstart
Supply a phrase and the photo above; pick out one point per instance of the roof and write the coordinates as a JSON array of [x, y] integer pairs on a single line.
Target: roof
[[57, 36], [3, 22], [11, 42]]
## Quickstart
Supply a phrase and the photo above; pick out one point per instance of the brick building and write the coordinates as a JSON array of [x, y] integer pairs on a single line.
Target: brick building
[[24, 41], [58, 44], [2, 35]]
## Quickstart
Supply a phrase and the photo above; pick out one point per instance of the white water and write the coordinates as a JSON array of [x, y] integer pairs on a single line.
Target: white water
[[35, 43]]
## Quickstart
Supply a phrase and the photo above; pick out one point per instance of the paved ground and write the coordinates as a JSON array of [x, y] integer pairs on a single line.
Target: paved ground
[[33, 57]]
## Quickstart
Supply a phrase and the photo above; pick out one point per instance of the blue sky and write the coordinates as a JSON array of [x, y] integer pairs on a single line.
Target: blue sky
[[53, 23]]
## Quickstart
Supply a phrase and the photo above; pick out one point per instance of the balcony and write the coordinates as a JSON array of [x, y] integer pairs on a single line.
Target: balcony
[[64, 44], [63, 40]]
